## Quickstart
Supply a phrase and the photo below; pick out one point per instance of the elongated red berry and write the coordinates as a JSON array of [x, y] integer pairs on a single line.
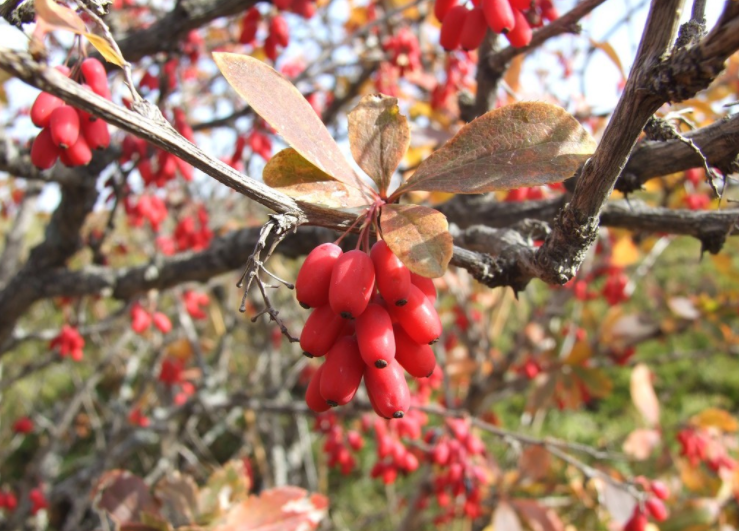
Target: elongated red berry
[[352, 284], [43, 107], [64, 124], [442, 7], [342, 372], [313, 394], [375, 336], [279, 30], [96, 76], [419, 318], [451, 28], [320, 331], [78, 154], [96, 133], [474, 29], [521, 5], [521, 34], [393, 278], [499, 15], [44, 151], [417, 359], [426, 285], [314, 277], [656, 509], [388, 389]]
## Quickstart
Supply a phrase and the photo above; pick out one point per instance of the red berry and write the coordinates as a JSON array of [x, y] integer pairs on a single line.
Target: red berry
[[352, 284], [96, 133], [521, 5], [43, 107], [23, 425], [314, 277], [44, 151], [313, 395], [419, 318], [320, 331], [11, 502], [77, 155], [638, 521], [442, 7], [270, 48], [548, 11], [520, 35], [388, 390], [342, 372], [393, 278], [474, 29], [656, 509], [451, 28], [660, 490], [499, 15], [417, 359], [249, 26], [162, 322], [282, 5], [96, 76], [375, 336], [64, 124], [426, 285], [279, 29]]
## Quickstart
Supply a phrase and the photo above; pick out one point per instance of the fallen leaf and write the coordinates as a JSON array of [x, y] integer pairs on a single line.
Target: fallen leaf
[[523, 144], [379, 136], [283, 107], [419, 236], [643, 395], [289, 172]]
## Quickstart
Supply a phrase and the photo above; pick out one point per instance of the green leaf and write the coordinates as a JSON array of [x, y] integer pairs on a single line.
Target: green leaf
[[276, 100], [379, 137], [419, 236], [524, 144], [289, 172]]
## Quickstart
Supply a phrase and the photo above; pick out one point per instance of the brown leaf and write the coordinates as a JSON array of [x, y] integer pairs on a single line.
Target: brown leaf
[[595, 380], [124, 496], [289, 172], [280, 509], [178, 495], [535, 462], [538, 517], [641, 443], [643, 395], [523, 144], [276, 100], [59, 17], [379, 136], [419, 236]]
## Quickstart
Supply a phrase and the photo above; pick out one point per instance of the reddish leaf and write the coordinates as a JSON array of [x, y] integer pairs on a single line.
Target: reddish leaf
[[538, 517], [59, 17], [643, 395], [124, 496], [524, 144], [289, 172], [379, 137], [276, 100], [419, 236], [280, 509]]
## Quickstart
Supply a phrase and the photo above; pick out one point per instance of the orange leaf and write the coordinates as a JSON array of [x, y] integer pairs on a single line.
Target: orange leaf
[[625, 252], [419, 236], [611, 53], [715, 418], [283, 107], [105, 49]]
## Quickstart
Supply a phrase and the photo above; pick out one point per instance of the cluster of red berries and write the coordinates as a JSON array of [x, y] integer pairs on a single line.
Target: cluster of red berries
[[278, 31], [654, 506], [68, 342], [172, 375], [362, 333], [614, 290], [8, 501], [68, 133], [340, 445], [700, 445], [141, 320], [194, 302], [466, 28]]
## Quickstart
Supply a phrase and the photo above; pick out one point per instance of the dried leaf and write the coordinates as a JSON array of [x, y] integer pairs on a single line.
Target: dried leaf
[[535, 462], [618, 502], [611, 53], [715, 418], [276, 100], [289, 172], [538, 517], [59, 17], [505, 518], [641, 443], [226, 487], [123, 495], [643, 395], [684, 308], [419, 236], [379, 136], [178, 495], [280, 509], [105, 49], [595, 380], [523, 144], [544, 387]]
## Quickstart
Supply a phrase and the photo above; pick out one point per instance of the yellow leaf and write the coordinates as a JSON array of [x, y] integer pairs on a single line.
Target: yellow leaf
[[722, 262], [715, 418], [625, 253], [357, 19], [611, 53], [420, 108], [513, 74], [105, 49], [580, 352]]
